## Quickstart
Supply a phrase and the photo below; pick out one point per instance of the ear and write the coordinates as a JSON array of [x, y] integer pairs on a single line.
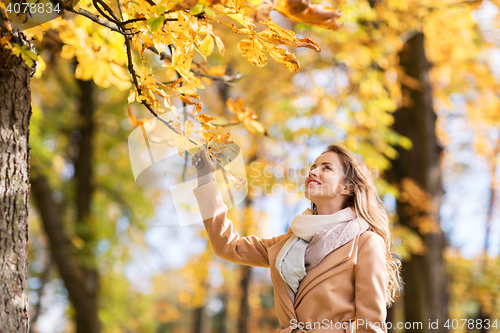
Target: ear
[[346, 190]]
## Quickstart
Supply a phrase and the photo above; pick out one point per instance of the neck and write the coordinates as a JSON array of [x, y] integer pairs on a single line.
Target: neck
[[328, 208]]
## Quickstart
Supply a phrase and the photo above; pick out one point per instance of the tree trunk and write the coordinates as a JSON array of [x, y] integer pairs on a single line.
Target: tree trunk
[[417, 173], [223, 314], [244, 309], [245, 271], [201, 320], [15, 114], [80, 280], [69, 269]]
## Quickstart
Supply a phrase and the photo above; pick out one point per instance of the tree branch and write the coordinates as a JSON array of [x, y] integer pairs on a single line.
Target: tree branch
[[97, 19]]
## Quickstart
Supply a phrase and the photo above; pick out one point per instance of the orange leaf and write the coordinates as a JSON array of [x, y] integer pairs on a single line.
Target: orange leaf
[[186, 4], [312, 14], [259, 13], [235, 106], [278, 35]]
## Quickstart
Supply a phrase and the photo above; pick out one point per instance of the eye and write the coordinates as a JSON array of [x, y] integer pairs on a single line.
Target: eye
[[327, 167]]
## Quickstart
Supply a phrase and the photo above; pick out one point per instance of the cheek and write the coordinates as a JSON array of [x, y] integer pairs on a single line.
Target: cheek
[[332, 180], [333, 184]]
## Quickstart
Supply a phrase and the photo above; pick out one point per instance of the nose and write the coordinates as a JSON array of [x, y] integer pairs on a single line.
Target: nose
[[313, 172]]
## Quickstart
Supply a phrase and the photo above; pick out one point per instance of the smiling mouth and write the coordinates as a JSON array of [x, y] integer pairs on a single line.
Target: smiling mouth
[[313, 183]]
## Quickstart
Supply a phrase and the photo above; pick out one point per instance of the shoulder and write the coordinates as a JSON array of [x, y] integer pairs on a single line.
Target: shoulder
[[369, 240], [372, 250]]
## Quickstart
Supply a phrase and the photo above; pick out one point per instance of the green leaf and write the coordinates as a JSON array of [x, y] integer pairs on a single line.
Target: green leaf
[[17, 50], [160, 10], [27, 59], [155, 22], [32, 55], [209, 12], [198, 8]]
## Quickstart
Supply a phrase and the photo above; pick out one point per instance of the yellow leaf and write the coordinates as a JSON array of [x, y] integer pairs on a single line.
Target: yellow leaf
[[207, 46], [237, 180], [188, 127], [4, 40], [254, 126], [244, 20], [217, 70], [251, 48], [220, 45], [180, 143], [160, 92], [131, 96], [283, 56], [188, 91]]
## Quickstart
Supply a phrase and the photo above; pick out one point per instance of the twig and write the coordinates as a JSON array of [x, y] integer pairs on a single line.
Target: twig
[[120, 10], [97, 19], [115, 19], [133, 20], [139, 90], [224, 78]]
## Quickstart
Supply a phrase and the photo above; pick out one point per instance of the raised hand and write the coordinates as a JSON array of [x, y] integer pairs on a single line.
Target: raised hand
[[202, 164]]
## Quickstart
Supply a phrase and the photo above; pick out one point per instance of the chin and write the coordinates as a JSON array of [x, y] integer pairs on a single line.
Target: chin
[[310, 196]]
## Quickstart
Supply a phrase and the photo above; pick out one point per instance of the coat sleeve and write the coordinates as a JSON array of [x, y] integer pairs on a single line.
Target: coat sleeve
[[225, 240], [370, 285]]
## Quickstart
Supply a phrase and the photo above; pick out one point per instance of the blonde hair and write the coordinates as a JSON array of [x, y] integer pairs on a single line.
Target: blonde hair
[[368, 205]]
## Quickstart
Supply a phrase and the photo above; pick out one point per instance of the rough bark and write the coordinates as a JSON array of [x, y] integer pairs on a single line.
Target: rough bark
[[15, 114], [424, 275]]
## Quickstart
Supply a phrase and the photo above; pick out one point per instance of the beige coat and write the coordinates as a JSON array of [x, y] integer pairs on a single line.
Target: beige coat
[[349, 284]]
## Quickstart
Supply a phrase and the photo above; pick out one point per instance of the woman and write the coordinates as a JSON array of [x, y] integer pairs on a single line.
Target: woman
[[333, 268]]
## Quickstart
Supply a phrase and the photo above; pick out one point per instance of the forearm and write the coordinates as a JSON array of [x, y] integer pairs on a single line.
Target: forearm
[[225, 240], [205, 179]]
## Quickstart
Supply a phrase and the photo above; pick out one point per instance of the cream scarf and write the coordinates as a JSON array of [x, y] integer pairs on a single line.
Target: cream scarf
[[314, 237]]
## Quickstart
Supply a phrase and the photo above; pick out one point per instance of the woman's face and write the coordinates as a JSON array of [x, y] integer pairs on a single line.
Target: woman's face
[[326, 178]]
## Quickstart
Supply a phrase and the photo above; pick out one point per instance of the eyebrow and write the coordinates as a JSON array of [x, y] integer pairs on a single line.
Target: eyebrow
[[322, 164]]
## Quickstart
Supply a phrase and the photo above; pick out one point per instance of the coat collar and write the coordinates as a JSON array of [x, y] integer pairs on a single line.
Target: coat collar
[[329, 266]]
